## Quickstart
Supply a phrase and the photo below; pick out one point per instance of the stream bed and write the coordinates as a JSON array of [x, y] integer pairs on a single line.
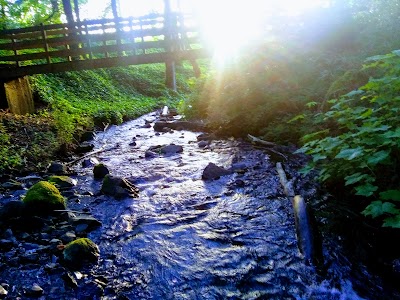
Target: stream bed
[[189, 238]]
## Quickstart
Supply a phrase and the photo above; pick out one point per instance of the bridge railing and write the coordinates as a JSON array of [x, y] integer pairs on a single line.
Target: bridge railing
[[95, 40]]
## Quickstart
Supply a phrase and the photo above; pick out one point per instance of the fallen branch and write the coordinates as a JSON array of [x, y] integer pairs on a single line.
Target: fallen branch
[[253, 139], [287, 186], [89, 154]]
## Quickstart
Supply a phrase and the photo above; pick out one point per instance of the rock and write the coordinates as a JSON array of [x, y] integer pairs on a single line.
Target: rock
[[202, 144], [43, 198], [69, 280], [87, 136], [11, 210], [212, 171], [3, 292], [34, 291], [118, 187], [84, 147], [6, 245], [12, 185], [80, 252], [178, 125], [150, 154], [62, 181], [91, 290], [171, 149], [90, 162], [89, 222], [100, 171], [68, 237], [57, 168]]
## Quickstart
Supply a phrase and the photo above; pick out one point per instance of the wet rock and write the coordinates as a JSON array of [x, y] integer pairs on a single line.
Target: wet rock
[[178, 125], [57, 168], [166, 149], [62, 181], [118, 187], [90, 162], [85, 223], [80, 252], [212, 171], [3, 292], [202, 144], [34, 291], [171, 149], [150, 154], [100, 171], [68, 237], [11, 210], [43, 198], [87, 136], [84, 147], [91, 290], [70, 280], [6, 245], [12, 185]]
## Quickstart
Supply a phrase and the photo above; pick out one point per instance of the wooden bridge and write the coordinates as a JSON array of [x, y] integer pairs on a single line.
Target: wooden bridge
[[155, 38]]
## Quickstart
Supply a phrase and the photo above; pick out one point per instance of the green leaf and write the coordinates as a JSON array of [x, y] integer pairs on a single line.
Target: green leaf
[[311, 104], [378, 157], [393, 222], [350, 154], [390, 195], [366, 190], [379, 208], [354, 178]]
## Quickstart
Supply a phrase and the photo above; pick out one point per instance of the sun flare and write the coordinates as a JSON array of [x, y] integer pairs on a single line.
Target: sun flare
[[229, 26]]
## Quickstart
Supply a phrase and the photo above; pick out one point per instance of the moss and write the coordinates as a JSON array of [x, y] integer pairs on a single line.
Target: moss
[[81, 251], [43, 198], [62, 181]]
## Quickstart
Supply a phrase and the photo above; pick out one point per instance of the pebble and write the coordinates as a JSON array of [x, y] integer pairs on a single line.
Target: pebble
[[3, 292], [34, 291]]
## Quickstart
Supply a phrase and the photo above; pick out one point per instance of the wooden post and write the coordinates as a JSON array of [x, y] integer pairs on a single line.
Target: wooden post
[[45, 44], [170, 78], [19, 96]]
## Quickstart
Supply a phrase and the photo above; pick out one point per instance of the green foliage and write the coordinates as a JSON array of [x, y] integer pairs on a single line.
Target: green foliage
[[363, 148], [43, 198], [8, 158]]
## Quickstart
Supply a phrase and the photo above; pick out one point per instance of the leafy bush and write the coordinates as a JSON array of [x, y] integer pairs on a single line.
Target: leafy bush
[[363, 148]]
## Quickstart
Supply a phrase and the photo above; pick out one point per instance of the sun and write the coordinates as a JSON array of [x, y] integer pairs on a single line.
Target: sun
[[229, 26]]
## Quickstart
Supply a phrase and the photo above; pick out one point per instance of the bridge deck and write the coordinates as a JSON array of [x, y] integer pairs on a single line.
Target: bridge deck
[[98, 44]]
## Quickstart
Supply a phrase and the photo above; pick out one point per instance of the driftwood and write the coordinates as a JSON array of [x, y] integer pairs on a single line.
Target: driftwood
[[89, 154], [305, 227], [266, 145]]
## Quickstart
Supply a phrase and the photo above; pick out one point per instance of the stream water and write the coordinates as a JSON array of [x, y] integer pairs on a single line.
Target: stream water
[[188, 238]]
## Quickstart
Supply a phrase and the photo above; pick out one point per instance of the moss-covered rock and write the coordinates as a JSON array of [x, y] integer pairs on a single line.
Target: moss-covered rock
[[80, 252], [43, 198], [62, 181], [100, 170]]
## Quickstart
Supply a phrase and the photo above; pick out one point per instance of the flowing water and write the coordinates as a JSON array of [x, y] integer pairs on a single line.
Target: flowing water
[[186, 238], [189, 238]]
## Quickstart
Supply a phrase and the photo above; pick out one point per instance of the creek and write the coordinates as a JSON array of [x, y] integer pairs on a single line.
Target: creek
[[188, 238]]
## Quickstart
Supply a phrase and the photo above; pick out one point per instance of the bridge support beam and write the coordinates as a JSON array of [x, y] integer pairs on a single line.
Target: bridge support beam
[[19, 96], [170, 75]]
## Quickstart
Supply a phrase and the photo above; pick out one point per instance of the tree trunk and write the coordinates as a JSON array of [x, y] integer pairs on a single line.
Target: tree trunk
[[76, 9], [114, 8], [69, 14]]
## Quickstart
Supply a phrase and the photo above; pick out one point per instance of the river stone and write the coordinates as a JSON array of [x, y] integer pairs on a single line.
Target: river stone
[[12, 185], [12, 210], [57, 168], [62, 181], [34, 291], [68, 237], [3, 292], [88, 221], [171, 149], [84, 147], [90, 162], [212, 171], [87, 136], [100, 171], [80, 252]]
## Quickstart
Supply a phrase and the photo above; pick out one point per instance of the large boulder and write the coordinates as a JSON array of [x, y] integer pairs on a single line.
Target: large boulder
[[62, 181], [100, 170], [212, 171], [118, 187], [43, 198], [80, 252]]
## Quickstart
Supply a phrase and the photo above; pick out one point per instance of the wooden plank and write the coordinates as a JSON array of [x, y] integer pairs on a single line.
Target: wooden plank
[[101, 63]]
